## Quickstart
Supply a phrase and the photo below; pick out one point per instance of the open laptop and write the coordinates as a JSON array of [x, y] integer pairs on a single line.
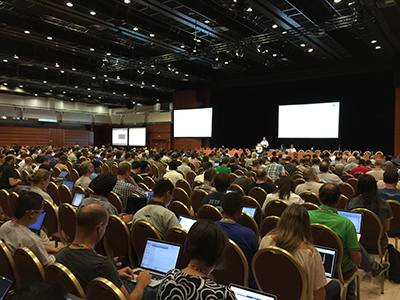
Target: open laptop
[[38, 225], [159, 257], [5, 285], [186, 222], [61, 176], [245, 293], [354, 217], [149, 195], [328, 256], [250, 210], [78, 197], [69, 184], [133, 204]]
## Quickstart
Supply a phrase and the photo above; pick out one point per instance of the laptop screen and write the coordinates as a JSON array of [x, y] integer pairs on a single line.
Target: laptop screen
[[78, 197], [243, 293], [39, 222], [149, 195], [328, 260], [186, 222], [69, 184], [231, 191], [250, 210], [353, 217], [5, 285], [63, 174], [160, 256]]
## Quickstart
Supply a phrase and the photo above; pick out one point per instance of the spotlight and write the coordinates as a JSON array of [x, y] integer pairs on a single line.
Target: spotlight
[[261, 48], [171, 68], [239, 52], [140, 71], [157, 71]]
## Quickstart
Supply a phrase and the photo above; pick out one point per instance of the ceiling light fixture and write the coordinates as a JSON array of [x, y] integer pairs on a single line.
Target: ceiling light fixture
[[249, 9], [44, 81], [27, 32], [261, 48], [302, 45], [49, 38], [36, 95], [337, 1], [73, 69], [284, 32], [5, 60], [140, 71], [186, 75], [91, 49], [310, 50], [275, 26], [93, 13], [135, 28], [207, 21], [108, 53], [182, 46], [57, 65], [378, 47], [239, 52], [45, 68], [152, 35], [373, 41], [274, 55], [16, 56], [69, 4], [127, 1], [157, 71]]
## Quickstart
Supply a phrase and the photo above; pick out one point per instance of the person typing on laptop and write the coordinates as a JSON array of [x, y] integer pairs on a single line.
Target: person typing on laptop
[[80, 258]]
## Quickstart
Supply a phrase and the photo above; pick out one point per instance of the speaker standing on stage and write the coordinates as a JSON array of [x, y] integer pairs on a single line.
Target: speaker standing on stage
[[264, 143]]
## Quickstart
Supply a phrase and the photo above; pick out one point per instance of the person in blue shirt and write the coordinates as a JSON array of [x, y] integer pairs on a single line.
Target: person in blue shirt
[[221, 182], [245, 238], [390, 192]]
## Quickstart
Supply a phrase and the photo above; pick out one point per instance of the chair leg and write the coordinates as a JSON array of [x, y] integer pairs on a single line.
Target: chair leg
[[343, 295], [358, 287], [395, 240]]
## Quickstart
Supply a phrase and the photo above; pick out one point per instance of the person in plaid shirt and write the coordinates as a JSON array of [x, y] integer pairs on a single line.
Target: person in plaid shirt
[[275, 170], [208, 181]]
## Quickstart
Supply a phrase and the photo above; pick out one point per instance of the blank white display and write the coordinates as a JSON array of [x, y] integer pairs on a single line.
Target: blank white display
[[137, 136], [120, 136], [319, 120], [193, 122]]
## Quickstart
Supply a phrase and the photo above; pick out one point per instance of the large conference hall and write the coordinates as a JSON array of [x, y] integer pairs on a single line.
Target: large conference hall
[[203, 74]]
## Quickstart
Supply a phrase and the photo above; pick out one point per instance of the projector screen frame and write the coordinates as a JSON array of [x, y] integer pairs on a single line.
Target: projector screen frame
[[134, 129], [192, 110]]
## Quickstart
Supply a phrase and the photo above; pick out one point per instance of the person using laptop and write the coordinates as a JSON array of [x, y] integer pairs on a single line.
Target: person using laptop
[[245, 238], [221, 182], [39, 182], [86, 169], [156, 212], [293, 234], [204, 247], [80, 258]]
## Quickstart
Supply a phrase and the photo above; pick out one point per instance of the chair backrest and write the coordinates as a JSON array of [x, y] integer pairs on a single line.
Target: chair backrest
[[353, 182], [69, 165], [51, 222], [64, 194], [88, 192], [233, 176], [342, 202], [154, 170], [237, 188], [114, 169], [7, 265], [358, 174], [105, 168], [236, 267], [178, 208], [178, 235], [395, 206], [298, 181], [190, 176], [59, 273], [4, 203], [179, 194], [67, 217], [210, 212], [275, 208], [251, 202], [52, 190], [310, 197], [276, 281], [24, 179], [12, 198], [143, 186], [247, 221], [114, 199], [140, 232], [149, 182], [310, 206], [196, 199], [196, 183], [259, 194], [74, 175], [79, 189], [184, 184], [346, 189], [239, 172], [269, 179], [117, 237], [268, 224], [28, 266], [297, 175], [101, 288]]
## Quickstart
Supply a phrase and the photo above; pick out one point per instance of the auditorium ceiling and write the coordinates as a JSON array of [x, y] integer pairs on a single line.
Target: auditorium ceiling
[[118, 51]]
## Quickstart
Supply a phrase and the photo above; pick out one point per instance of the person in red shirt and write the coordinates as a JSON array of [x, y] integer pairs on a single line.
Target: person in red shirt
[[361, 167]]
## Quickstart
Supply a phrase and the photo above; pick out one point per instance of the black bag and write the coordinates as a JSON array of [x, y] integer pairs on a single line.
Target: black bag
[[394, 259]]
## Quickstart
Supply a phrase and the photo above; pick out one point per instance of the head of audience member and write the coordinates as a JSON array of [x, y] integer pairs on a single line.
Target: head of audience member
[[157, 157], [144, 167], [254, 155], [96, 167], [173, 165], [274, 159], [391, 177], [124, 170], [222, 181], [294, 162], [185, 160], [339, 168], [232, 205], [63, 159], [388, 165], [310, 174], [41, 178], [28, 208], [128, 156], [361, 161], [86, 168], [39, 290], [206, 243], [110, 156], [315, 161], [293, 228], [324, 167], [255, 164], [285, 187], [28, 161], [288, 159], [367, 188], [2, 158], [91, 224], [249, 175], [10, 160], [329, 194], [209, 175], [352, 160], [378, 163], [232, 160], [103, 184], [261, 175], [163, 190], [302, 161], [136, 167]]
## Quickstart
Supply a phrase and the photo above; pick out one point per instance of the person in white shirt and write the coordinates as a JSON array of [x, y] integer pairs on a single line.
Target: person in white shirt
[[292, 149], [206, 165], [184, 167], [172, 174], [264, 143]]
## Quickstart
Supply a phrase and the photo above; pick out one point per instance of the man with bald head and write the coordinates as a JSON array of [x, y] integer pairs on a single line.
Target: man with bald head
[[27, 166], [80, 258]]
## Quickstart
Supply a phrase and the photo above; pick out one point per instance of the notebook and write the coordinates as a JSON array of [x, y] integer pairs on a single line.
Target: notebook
[[250, 210], [38, 225], [186, 222], [133, 204], [354, 217], [69, 184], [244, 293], [159, 257], [61, 176], [328, 256], [5, 285], [149, 195], [78, 197]]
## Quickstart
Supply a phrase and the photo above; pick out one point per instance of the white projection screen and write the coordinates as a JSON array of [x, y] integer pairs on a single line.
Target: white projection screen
[[137, 136], [120, 136], [195, 122], [319, 120]]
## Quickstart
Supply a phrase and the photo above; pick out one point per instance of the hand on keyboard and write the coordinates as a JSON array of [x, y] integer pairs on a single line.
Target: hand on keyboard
[[143, 278]]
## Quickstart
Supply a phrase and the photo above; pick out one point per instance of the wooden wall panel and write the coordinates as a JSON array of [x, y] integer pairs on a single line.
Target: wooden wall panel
[[187, 143], [76, 137], [158, 136], [24, 136], [56, 137]]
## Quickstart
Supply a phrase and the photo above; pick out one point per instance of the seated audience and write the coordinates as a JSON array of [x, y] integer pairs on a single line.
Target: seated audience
[[156, 212], [311, 185], [7, 180], [135, 171], [290, 165], [284, 192], [206, 165], [208, 181], [62, 163], [378, 171], [244, 180], [274, 169], [160, 166], [293, 234], [110, 159], [86, 169], [361, 168], [339, 168], [261, 182], [27, 166], [80, 258], [184, 167], [172, 174], [301, 166], [96, 169], [224, 165], [245, 238], [39, 182], [221, 182], [390, 191], [204, 247], [327, 177], [233, 165], [351, 164]]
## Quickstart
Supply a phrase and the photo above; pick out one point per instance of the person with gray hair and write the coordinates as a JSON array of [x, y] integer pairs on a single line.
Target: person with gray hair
[[312, 182], [86, 168], [339, 168], [184, 167], [377, 172], [351, 164]]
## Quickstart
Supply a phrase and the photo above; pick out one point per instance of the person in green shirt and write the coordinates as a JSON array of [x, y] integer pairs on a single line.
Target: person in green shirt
[[224, 165]]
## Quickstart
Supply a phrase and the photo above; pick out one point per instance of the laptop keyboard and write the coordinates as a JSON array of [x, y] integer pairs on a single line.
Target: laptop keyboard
[[153, 275]]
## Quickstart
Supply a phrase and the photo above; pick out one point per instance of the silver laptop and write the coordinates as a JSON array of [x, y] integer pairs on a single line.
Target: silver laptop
[[186, 222], [76, 201], [244, 293], [159, 257], [354, 217], [250, 210], [328, 256]]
